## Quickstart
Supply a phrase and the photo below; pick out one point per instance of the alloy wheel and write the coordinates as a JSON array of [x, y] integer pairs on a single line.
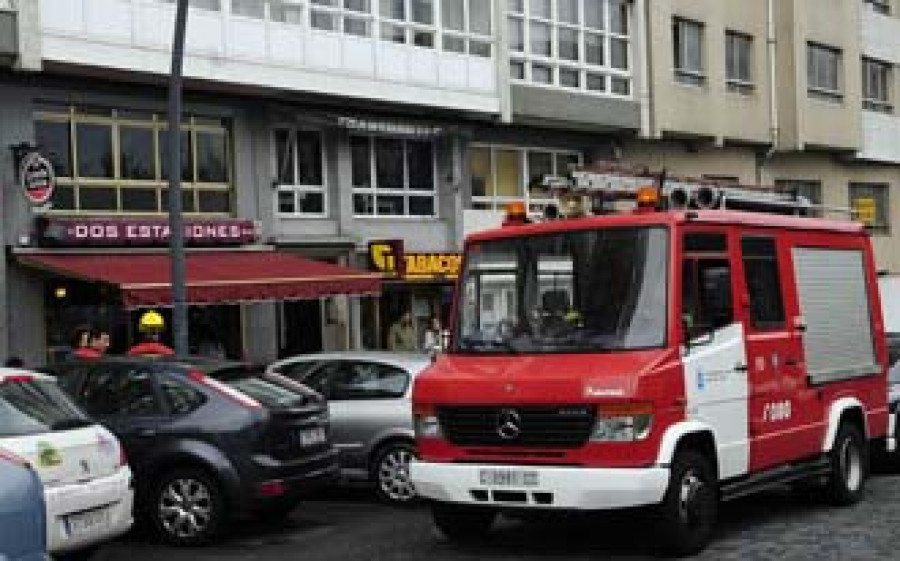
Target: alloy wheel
[[185, 508]]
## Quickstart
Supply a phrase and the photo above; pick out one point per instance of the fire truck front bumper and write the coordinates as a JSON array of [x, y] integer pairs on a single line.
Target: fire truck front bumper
[[540, 487]]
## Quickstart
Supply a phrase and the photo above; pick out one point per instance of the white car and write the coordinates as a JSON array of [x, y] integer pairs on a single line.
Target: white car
[[88, 487]]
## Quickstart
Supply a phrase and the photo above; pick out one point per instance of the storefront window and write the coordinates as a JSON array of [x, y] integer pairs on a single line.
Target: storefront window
[[403, 172], [299, 165], [115, 161]]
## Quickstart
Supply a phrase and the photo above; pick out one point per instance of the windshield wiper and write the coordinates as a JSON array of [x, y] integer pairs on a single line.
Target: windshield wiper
[[69, 424]]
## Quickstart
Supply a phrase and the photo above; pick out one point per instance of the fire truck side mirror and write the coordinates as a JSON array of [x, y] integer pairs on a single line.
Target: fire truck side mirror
[[694, 335]]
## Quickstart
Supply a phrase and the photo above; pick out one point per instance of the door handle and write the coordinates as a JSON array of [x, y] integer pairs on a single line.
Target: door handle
[[790, 362], [740, 367], [146, 433]]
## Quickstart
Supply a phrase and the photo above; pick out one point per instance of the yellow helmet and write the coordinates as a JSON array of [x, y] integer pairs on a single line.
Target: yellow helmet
[[151, 322]]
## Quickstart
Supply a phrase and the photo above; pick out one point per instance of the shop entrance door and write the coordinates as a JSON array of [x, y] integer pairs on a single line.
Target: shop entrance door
[[300, 327]]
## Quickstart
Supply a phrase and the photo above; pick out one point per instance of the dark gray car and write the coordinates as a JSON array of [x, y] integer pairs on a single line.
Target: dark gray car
[[368, 396]]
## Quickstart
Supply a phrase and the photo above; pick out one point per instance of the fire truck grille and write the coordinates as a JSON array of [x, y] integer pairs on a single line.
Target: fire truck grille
[[543, 426]]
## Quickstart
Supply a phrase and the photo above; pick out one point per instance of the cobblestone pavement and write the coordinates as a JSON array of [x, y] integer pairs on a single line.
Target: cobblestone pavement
[[349, 525]]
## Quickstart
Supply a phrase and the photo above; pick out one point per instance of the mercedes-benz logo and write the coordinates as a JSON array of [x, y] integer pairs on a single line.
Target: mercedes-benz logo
[[509, 424]]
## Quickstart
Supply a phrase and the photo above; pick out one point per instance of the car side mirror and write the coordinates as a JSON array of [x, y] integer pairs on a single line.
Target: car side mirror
[[695, 335]]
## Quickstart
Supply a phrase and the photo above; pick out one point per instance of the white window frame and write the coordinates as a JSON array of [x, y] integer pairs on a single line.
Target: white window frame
[[409, 26], [735, 41], [610, 76], [533, 204], [295, 188], [473, 42], [684, 74], [877, 75], [406, 192], [816, 55]]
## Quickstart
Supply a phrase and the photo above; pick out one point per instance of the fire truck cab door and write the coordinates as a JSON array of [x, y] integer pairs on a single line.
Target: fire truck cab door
[[714, 357]]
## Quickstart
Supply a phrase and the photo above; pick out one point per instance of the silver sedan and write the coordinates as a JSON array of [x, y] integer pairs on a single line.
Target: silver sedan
[[368, 396]]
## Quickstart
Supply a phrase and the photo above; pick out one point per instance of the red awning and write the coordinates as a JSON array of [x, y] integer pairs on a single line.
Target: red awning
[[213, 277]]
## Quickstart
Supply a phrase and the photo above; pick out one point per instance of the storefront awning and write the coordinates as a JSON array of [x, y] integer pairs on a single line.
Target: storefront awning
[[213, 277]]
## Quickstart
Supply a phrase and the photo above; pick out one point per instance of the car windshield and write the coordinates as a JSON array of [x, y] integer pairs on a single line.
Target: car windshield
[[33, 406], [270, 390], [579, 291]]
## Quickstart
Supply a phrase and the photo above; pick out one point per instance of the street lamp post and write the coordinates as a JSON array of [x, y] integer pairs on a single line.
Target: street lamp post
[[176, 221]]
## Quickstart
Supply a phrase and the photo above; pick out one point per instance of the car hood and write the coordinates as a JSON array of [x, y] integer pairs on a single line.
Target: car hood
[[555, 378]]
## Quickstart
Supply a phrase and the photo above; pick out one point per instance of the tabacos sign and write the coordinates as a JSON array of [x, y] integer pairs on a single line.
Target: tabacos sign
[[37, 178], [388, 256], [68, 232]]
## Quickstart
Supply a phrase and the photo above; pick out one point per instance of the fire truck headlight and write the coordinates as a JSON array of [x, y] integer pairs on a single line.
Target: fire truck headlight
[[623, 423], [427, 426]]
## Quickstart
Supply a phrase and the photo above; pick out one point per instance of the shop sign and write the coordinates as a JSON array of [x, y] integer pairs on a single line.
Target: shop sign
[[387, 256], [61, 232], [37, 177], [389, 127]]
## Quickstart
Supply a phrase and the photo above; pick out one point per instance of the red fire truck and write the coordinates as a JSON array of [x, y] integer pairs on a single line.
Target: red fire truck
[[700, 347]]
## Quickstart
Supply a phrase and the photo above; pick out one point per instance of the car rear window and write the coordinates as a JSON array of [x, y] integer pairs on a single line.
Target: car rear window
[[270, 390], [36, 406]]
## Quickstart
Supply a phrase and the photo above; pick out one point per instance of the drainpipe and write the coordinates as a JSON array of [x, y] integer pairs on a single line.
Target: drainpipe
[[774, 130], [642, 26], [501, 49]]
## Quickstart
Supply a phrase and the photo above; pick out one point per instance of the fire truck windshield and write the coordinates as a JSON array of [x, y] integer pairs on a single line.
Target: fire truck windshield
[[571, 292]]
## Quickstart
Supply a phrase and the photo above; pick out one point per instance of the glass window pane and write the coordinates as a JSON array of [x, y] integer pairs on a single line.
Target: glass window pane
[[213, 201], [517, 70], [312, 203], [63, 198], [136, 153], [541, 74], [187, 166], [539, 165], [187, 200], [212, 157], [453, 15], [309, 158], [539, 8], [517, 6], [388, 164], [286, 13], [393, 33], [569, 78], [618, 16], [54, 140], [480, 17], [509, 170], [620, 86], [360, 162], [618, 54], [593, 48], [423, 11], [596, 82], [540, 39], [479, 48], [361, 6], [323, 20], [565, 163], [97, 198], [284, 157], [390, 205], [568, 44], [94, 150], [421, 206], [286, 203], [356, 26], [593, 14], [423, 39], [481, 171], [363, 204], [420, 159], [516, 34], [139, 200], [248, 8], [393, 9], [567, 10], [454, 44]]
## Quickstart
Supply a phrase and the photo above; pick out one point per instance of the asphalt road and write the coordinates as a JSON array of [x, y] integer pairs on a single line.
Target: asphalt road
[[348, 524]]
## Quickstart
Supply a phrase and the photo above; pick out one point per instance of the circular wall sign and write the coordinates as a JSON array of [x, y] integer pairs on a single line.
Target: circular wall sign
[[38, 180]]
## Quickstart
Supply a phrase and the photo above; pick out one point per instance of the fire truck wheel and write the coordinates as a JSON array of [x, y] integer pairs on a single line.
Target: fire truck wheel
[[687, 514], [849, 466], [462, 523]]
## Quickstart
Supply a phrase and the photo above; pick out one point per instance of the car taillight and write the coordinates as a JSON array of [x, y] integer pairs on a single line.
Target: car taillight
[[123, 457], [14, 458], [238, 397], [272, 488]]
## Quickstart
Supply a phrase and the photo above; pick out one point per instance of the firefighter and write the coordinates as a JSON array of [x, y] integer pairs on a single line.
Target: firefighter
[[151, 327]]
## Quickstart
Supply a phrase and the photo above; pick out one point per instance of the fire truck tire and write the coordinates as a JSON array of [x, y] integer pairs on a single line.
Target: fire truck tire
[[687, 515], [462, 523], [849, 466]]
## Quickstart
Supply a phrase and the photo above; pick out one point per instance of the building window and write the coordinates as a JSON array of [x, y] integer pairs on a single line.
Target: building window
[[407, 22], [688, 50], [502, 174], [115, 161], [466, 27], [871, 205], [573, 44], [811, 190], [879, 6], [212, 5], [739, 62], [876, 86], [823, 70], [299, 161], [392, 177]]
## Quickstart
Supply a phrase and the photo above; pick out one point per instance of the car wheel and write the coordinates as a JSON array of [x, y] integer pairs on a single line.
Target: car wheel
[[849, 466], [188, 507], [390, 472], [462, 523], [687, 514]]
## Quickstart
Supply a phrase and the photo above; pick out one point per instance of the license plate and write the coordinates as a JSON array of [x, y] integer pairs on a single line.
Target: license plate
[[88, 522], [311, 437], [508, 478]]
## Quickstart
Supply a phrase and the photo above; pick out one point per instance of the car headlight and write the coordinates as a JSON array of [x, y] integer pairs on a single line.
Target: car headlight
[[623, 423], [427, 426]]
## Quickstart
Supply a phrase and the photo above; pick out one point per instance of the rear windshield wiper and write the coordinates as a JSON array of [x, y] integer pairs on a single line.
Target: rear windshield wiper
[[69, 424]]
